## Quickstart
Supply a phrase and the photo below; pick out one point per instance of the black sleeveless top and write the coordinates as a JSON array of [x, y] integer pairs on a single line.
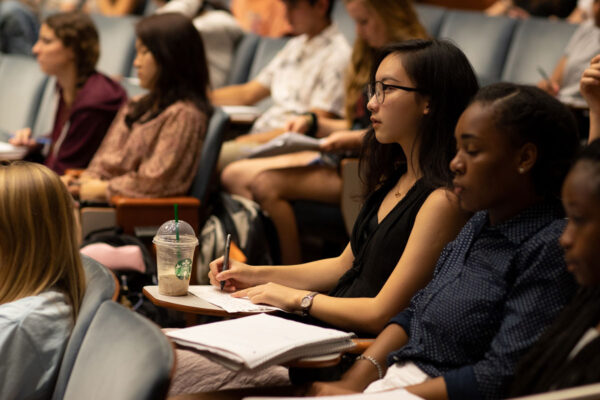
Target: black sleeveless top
[[377, 247]]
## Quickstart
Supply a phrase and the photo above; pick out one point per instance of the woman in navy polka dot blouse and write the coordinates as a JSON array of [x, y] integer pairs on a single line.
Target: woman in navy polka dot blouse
[[503, 279]]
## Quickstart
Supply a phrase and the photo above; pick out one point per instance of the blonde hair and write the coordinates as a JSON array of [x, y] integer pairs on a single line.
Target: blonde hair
[[39, 244], [401, 23]]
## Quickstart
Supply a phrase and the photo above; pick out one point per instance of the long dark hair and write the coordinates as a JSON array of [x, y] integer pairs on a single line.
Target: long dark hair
[[442, 72], [528, 114], [182, 71]]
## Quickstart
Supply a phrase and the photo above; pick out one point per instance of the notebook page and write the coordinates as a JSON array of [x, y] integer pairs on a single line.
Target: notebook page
[[255, 339], [397, 394], [224, 300]]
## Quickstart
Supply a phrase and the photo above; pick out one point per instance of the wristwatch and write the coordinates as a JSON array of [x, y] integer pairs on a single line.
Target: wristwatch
[[306, 303]]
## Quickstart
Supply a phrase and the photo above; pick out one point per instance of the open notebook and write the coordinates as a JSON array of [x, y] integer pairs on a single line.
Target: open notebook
[[397, 394], [288, 142], [261, 340]]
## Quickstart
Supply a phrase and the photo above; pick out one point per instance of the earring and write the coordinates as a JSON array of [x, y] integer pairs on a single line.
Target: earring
[[521, 170]]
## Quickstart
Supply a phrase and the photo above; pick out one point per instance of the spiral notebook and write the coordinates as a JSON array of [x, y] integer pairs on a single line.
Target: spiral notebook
[[261, 340]]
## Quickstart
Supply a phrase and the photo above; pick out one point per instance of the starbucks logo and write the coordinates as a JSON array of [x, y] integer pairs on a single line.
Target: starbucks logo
[[183, 268]]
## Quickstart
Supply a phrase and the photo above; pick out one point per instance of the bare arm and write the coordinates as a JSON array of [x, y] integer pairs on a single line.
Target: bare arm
[[326, 125], [439, 220], [553, 85], [363, 372], [245, 94], [319, 275], [590, 89], [412, 272]]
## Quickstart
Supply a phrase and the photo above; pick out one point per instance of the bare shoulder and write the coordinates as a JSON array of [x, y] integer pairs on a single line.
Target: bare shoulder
[[442, 203]]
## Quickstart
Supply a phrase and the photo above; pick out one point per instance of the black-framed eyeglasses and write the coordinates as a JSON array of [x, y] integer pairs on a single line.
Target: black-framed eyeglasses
[[379, 88]]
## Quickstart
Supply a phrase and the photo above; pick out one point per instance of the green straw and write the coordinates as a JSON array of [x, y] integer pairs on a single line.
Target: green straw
[[176, 221]]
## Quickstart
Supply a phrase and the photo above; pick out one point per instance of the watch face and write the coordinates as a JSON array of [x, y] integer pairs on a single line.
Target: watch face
[[305, 302]]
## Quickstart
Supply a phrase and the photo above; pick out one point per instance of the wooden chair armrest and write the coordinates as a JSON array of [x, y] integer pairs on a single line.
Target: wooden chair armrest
[[146, 212], [360, 345], [76, 172]]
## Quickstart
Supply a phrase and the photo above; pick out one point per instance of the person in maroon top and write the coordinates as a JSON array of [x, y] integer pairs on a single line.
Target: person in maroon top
[[68, 49]]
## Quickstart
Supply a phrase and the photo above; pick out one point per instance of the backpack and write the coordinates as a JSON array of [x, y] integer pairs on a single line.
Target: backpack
[[251, 230]]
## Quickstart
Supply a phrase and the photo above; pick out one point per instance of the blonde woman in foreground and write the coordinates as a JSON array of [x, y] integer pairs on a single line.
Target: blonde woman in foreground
[[41, 278]]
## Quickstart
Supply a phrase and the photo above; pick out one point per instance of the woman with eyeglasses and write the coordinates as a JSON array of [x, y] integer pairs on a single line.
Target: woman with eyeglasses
[[276, 181], [408, 217]]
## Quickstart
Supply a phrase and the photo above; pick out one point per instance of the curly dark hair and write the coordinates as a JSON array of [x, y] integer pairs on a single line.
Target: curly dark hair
[[442, 72], [77, 32]]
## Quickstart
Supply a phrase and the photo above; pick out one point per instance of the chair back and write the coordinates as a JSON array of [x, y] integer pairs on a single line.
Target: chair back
[[537, 43], [117, 43], [123, 356], [431, 17], [21, 86], [101, 286], [343, 21], [209, 155], [487, 48], [242, 59]]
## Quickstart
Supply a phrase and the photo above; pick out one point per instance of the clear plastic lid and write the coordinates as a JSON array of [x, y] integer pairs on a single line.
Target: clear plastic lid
[[167, 234]]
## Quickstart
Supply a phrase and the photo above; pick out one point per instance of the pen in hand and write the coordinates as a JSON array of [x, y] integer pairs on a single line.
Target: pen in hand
[[543, 74], [226, 257]]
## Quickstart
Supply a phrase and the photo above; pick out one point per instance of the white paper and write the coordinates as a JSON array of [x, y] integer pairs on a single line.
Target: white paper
[[10, 152], [261, 339], [242, 113], [397, 394], [288, 142], [224, 300]]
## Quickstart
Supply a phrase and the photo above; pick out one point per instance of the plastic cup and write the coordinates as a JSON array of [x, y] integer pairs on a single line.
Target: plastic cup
[[175, 247]]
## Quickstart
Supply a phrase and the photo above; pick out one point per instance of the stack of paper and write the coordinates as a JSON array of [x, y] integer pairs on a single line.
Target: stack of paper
[[261, 340], [397, 394], [242, 113], [288, 142]]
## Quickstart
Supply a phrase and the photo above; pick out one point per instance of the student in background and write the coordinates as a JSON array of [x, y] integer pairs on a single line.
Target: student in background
[[418, 90], [220, 34], [307, 75], [88, 101], [502, 281], [155, 141], [274, 181], [19, 27], [263, 17], [568, 354], [41, 278], [590, 90], [584, 44]]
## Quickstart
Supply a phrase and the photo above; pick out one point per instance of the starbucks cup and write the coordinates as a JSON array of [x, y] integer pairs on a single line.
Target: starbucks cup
[[175, 244]]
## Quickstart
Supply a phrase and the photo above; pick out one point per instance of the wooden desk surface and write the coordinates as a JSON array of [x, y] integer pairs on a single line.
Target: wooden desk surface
[[188, 304]]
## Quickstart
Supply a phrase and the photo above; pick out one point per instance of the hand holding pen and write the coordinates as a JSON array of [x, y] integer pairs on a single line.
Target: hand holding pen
[[226, 257], [22, 137], [547, 84]]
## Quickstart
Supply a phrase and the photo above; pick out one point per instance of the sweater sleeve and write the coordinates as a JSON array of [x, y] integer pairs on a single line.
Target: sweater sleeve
[[169, 168]]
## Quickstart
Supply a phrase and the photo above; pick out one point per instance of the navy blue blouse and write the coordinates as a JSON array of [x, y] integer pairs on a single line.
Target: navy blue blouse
[[494, 290]]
